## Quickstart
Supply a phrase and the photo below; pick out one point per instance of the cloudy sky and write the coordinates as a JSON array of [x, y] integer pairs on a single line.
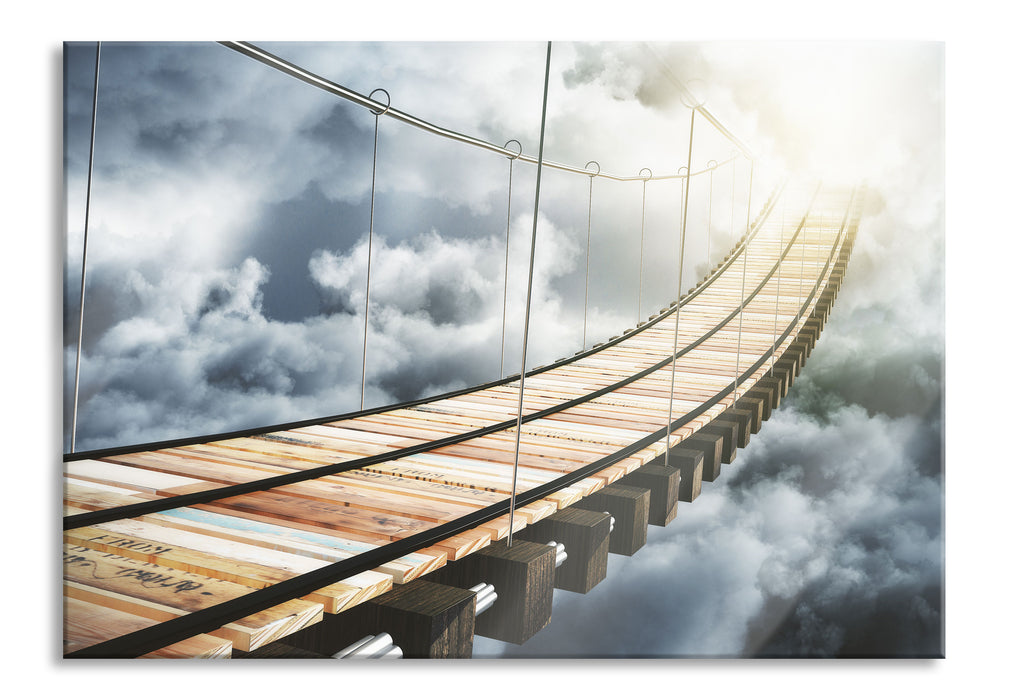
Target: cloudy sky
[[226, 288], [869, 543]]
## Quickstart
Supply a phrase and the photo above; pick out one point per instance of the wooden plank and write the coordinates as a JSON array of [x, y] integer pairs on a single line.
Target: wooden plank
[[161, 593], [256, 567], [405, 568], [129, 477], [84, 496], [86, 624], [325, 547]]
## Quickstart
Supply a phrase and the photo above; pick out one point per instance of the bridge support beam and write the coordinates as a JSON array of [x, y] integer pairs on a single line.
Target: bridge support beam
[[629, 505], [663, 483], [585, 535], [523, 577], [426, 620]]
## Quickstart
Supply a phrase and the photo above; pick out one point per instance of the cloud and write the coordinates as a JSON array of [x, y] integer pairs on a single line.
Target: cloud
[[192, 352], [226, 266], [820, 537]]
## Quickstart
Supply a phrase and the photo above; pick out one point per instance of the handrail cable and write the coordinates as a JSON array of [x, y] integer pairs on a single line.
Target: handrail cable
[[698, 105], [269, 59]]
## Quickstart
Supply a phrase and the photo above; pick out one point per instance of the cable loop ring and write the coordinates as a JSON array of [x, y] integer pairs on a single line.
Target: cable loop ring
[[640, 172], [686, 104], [517, 143], [597, 168], [711, 162], [388, 101], [682, 168]]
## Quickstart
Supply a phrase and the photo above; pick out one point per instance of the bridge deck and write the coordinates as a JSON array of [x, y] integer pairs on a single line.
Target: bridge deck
[[322, 516]]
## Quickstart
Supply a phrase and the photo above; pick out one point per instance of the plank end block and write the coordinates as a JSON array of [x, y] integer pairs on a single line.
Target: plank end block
[[585, 535], [755, 405], [743, 420], [426, 620], [523, 577], [663, 482], [690, 463], [629, 506], [713, 445]]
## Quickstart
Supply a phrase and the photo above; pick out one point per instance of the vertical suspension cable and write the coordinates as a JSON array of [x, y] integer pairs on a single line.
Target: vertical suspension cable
[[529, 295], [641, 263], [777, 294], [588, 243], [711, 186], [508, 226], [84, 254], [371, 235], [742, 284], [802, 272], [683, 181], [679, 286]]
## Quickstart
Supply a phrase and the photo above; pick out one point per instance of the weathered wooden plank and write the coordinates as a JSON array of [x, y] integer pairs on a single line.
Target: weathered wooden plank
[[86, 624], [161, 593], [325, 547]]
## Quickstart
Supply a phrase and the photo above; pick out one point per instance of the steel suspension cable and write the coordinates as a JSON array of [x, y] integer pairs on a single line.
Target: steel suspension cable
[[680, 212], [802, 266], [679, 289], [295, 71], [742, 288], [588, 244], [84, 254], [508, 226], [371, 235], [711, 187], [641, 263], [777, 294], [529, 297]]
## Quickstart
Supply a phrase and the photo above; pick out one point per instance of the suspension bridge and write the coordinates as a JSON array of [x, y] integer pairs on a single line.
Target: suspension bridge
[[405, 530]]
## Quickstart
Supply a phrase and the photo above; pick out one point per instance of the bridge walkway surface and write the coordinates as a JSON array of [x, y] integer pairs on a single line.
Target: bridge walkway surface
[[238, 544]]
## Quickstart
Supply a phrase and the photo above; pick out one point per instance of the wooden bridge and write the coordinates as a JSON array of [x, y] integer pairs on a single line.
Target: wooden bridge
[[300, 539]]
